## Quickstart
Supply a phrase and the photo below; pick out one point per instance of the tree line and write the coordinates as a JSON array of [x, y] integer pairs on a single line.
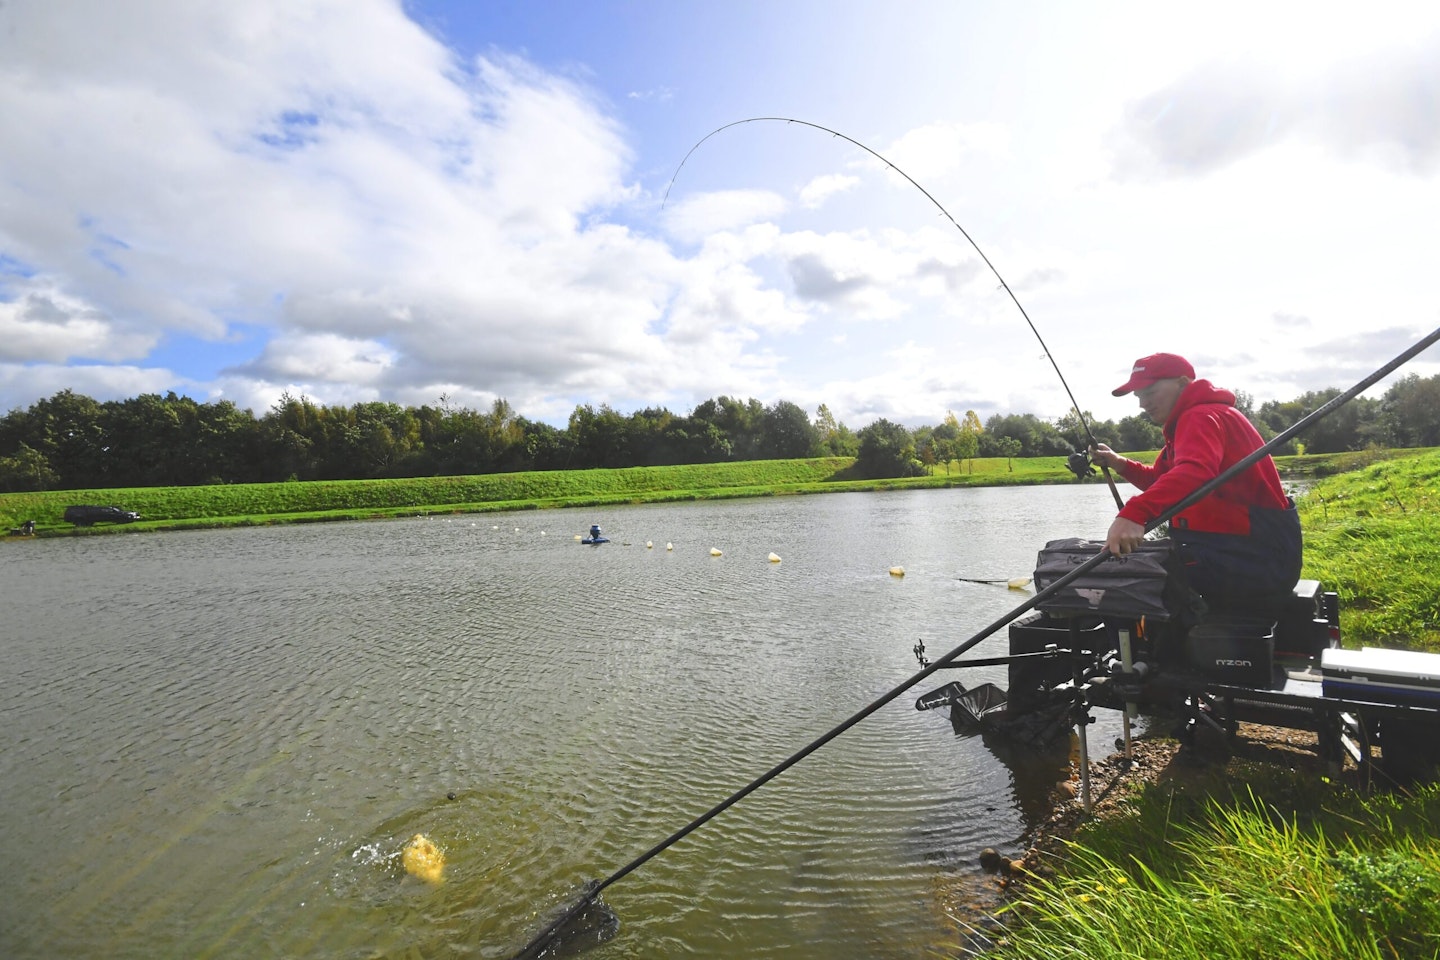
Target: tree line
[[71, 441]]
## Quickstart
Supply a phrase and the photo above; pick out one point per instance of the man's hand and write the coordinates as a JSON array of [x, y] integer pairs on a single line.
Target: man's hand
[[1124, 536], [1104, 456]]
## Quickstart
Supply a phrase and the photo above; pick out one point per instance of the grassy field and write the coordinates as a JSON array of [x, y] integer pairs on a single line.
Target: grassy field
[[173, 508], [1373, 535], [177, 508]]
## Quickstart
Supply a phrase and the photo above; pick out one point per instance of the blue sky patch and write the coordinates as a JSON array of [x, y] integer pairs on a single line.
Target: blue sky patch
[[293, 130]]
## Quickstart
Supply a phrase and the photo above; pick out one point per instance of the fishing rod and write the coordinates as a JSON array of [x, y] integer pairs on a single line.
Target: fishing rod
[[1078, 463], [540, 944]]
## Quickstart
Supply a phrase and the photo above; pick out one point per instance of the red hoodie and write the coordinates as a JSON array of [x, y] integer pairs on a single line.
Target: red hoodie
[[1204, 435]]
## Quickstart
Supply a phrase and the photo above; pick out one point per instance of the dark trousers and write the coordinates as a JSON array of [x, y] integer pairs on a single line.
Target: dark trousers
[[1244, 574]]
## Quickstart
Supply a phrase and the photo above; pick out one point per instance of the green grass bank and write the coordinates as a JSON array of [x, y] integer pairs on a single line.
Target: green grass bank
[[1273, 865], [173, 508], [177, 508], [1373, 534]]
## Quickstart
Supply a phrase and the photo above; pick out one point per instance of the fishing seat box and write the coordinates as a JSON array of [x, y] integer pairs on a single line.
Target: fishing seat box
[[1232, 650]]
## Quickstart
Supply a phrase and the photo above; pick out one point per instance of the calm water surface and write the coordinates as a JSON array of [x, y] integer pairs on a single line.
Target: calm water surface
[[217, 742]]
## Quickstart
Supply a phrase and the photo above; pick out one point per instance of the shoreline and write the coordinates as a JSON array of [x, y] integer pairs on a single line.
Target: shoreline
[[168, 509]]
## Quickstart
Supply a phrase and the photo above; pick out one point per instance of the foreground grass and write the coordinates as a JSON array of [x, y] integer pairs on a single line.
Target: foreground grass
[[1272, 869]]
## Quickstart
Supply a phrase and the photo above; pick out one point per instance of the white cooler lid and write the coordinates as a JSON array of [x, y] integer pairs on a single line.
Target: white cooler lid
[[1381, 661]]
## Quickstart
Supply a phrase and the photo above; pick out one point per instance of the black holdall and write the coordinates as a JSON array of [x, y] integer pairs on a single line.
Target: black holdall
[[1132, 586]]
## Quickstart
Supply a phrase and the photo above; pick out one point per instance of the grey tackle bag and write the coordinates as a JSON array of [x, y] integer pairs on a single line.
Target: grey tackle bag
[[1132, 586]]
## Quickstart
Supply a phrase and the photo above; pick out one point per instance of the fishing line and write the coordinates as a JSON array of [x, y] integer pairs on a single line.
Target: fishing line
[[540, 944], [1085, 425]]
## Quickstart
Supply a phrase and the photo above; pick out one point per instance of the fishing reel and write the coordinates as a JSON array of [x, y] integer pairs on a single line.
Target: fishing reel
[[1080, 465]]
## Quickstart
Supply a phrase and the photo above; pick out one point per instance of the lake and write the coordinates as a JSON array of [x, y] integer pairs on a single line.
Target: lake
[[218, 742]]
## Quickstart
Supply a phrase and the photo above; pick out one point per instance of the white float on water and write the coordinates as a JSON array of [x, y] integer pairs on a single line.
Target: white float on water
[[669, 546], [774, 558], [897, 571], [715, 552], [649, 545]]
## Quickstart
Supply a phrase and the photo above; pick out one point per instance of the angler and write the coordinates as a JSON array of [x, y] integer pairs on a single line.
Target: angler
[[1110, 634], [1240, 547]]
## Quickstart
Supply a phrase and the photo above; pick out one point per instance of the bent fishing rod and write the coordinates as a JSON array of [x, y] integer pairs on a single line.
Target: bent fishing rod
[[1084, 424], [540, 943]]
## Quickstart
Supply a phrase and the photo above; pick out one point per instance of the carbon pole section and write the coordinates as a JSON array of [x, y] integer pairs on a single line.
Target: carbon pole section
[[536, 947], [1079, 415]]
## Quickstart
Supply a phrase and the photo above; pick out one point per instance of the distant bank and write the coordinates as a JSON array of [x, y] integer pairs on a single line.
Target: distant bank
[[227, 505]]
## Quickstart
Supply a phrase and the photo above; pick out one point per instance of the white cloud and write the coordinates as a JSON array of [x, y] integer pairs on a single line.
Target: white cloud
[[822, 188], [930, 153], [323, 169], [1380, 104], [50, 327], [325, 358], [660, 94], [876, 276], [696, 217], [111, 382]]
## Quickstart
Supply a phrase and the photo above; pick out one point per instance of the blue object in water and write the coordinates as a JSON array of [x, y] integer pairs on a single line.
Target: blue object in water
[[595, 535]]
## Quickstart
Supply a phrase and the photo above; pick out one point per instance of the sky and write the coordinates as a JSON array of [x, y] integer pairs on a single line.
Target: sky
[[556, 204]]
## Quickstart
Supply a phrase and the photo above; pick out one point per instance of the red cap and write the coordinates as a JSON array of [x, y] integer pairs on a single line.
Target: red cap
[[1157, 366]]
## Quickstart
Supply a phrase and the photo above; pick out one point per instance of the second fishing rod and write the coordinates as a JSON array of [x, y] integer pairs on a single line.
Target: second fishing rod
[[1078, 462]]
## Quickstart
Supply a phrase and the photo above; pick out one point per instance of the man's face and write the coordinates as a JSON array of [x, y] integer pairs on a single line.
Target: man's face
[[1158, 399]]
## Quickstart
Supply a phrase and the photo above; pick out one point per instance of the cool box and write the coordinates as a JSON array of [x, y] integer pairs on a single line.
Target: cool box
[[1382, 676]]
